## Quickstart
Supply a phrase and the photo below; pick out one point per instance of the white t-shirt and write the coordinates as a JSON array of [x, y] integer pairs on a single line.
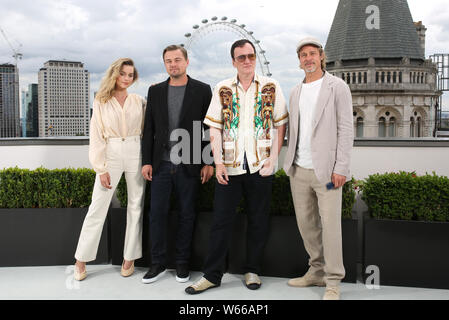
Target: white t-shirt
[[307, 106]]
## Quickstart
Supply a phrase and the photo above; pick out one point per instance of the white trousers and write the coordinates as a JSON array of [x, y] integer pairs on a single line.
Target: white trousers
[[122, 155]]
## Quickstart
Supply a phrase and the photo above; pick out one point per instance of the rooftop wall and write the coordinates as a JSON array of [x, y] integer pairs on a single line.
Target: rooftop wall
[[369, 155]]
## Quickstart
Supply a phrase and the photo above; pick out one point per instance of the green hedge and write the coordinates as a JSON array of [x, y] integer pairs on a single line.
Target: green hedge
[[348, 200], [281, 202], [43, 188], [406, 196], [72, 188]]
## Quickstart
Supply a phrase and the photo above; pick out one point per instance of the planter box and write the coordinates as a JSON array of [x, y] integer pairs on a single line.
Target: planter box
[[199, 241], [408, 253], [44, 237], [285, 255], [350, 234]]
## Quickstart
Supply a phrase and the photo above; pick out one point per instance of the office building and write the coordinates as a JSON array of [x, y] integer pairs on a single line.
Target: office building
[[9, 102], [63, 92]]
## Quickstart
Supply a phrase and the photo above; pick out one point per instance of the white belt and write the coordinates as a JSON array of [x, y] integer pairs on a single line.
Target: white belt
[[118, 139]]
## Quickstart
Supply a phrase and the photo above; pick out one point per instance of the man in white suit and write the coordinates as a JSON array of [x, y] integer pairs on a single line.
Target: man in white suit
[[317, 162]]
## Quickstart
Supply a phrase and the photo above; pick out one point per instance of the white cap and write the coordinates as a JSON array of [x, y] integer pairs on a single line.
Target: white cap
[[308, 41]]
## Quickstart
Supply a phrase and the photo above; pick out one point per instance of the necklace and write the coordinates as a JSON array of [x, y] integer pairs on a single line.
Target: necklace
[[257, 115], [257, 107]]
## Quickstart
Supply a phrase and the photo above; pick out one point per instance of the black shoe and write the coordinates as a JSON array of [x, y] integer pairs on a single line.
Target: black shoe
[[182, 273], [155, 273]]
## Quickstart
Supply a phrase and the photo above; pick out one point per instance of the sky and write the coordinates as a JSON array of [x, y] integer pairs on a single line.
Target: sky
[[97, 32]]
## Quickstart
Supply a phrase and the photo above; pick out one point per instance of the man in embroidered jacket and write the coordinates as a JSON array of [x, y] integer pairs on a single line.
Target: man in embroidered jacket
[[245, 158]]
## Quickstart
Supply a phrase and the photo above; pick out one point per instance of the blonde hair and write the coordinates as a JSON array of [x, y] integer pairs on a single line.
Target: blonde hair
[[107, 86]]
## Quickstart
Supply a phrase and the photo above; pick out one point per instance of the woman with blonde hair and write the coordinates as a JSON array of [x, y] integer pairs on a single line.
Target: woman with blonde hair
[[115, 132]]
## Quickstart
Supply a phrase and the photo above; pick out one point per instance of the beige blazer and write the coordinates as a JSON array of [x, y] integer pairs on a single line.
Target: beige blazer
[[333, 132]]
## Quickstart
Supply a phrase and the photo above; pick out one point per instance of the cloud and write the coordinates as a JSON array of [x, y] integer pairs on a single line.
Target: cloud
[[97, 32]]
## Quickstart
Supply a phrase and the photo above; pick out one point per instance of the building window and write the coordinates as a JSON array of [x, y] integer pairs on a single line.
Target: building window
[[419, 127], [365, 77], [382, 128], [360, 77], [412, 127], [392, 127], [389, 77], [359, 130], [348, 78], [394, 77], [377, 77], [383, 77]]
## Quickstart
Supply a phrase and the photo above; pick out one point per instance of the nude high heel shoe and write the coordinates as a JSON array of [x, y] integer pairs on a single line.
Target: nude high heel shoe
[[128, 272], [79, 276]]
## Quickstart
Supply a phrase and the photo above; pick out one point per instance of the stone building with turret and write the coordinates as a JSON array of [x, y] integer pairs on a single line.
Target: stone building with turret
[[375, 47]]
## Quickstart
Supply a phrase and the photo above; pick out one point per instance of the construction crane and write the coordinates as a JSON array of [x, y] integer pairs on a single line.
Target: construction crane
[[16, 53]]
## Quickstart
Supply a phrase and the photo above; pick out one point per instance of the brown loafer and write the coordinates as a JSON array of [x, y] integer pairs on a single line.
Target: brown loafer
[[307, 281], [332, 293]]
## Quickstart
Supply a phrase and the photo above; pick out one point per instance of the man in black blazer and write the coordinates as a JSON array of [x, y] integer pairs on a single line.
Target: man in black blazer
[[172, 158]]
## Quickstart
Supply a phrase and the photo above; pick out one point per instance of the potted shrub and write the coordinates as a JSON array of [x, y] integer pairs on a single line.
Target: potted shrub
[[406, 231], [41, 215]]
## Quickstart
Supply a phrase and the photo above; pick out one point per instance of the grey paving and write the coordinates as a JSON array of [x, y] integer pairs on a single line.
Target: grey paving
[[105, 283]]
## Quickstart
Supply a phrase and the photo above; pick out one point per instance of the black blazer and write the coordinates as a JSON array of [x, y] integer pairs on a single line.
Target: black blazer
[[155, 139]]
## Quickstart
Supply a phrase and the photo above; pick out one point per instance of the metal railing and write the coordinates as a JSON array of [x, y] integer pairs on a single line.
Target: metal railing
[[444, 121]]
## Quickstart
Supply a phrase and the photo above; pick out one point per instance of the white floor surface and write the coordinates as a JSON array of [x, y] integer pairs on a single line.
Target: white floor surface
[[105, 283]]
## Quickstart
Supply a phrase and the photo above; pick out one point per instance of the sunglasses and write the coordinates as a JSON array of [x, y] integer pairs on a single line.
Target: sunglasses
[[242, 58]]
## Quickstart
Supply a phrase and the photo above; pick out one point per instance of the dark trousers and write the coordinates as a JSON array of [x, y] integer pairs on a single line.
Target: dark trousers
[[167, 177], [257, 191]]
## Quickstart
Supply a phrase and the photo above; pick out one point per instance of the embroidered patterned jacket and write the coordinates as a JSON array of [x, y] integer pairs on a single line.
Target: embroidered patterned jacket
[[247, 120]]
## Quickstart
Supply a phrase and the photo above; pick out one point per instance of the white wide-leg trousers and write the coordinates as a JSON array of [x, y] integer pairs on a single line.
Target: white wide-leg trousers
[[122, 155]]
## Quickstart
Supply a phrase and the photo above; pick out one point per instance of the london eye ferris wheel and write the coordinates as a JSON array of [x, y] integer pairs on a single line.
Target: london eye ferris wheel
[[210, 42]]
